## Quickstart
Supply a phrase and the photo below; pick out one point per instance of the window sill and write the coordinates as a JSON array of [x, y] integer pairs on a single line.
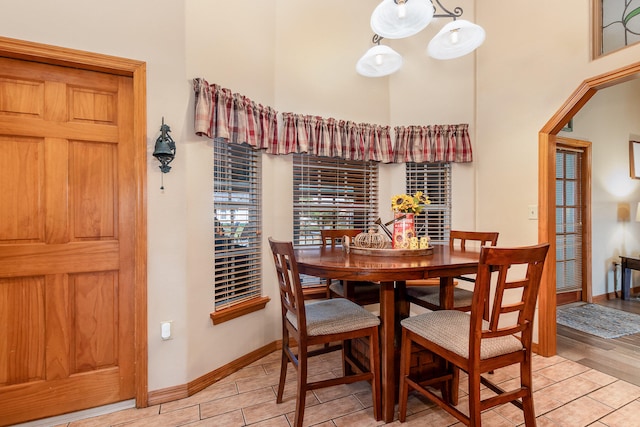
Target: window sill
[[238, 310]]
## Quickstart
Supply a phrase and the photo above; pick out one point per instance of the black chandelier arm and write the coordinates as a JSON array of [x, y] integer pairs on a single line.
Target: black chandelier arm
[[376, 38], [457, 11]]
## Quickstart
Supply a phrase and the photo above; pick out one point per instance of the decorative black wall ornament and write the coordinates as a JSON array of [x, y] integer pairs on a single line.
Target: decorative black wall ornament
[[165, 150]]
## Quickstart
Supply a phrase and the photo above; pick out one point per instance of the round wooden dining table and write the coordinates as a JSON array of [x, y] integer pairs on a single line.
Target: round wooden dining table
[[391, 271]]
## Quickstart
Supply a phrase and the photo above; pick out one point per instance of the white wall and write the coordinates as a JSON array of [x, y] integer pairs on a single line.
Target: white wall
[[610, 120], [534, 57], [152, 31], [300, 56]]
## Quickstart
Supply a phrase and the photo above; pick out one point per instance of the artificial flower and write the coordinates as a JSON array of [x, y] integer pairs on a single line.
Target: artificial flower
[[409, 204]]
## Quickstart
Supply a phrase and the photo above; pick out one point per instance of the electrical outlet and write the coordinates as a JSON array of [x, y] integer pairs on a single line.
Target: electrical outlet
[[165, 330], [532, 212]]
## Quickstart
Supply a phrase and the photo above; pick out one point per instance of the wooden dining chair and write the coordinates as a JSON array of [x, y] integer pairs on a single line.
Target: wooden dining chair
[[469, 342], [426, 293], [321, 322], [363, 293]]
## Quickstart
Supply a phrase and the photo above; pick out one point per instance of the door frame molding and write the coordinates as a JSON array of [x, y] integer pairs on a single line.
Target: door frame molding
[[30, 51], [547, 329]]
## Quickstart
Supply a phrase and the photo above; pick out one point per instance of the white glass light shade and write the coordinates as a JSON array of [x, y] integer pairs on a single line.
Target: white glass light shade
[[379, 61], [456, 39], [393, 21]]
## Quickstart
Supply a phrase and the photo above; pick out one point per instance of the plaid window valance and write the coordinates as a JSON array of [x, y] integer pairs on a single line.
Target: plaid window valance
[[219, 113]]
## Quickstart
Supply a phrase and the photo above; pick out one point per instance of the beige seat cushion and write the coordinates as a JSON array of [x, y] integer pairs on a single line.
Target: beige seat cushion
[[450, 329], [334, 316], [431, 295]]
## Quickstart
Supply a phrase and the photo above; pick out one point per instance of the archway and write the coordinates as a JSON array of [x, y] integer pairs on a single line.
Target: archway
[[546, 194]]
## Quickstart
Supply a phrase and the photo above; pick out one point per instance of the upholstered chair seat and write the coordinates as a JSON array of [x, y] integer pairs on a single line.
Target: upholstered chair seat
[[334, 316], [449, 329]]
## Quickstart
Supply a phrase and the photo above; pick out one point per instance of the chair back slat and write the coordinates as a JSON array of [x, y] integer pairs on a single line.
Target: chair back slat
[[462, 237], [291, 295], [514, 285], [509, 308], [511, 313], [334, 236], [503, 332]]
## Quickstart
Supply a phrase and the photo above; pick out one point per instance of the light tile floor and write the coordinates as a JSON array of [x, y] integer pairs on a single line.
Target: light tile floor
[[566, 394]]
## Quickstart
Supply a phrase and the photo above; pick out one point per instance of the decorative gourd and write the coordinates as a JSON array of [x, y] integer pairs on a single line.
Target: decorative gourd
[[372, 239]]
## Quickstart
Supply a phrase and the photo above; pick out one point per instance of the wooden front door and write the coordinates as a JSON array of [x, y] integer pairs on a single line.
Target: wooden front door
[[67, 240]]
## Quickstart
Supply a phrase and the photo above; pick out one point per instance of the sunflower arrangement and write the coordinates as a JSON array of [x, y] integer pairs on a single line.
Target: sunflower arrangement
[[409, 204]]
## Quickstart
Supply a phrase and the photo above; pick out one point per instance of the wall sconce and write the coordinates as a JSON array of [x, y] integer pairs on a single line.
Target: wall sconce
[[165, 150]]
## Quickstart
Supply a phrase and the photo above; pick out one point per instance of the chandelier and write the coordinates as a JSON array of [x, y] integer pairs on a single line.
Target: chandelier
[[396, 19]]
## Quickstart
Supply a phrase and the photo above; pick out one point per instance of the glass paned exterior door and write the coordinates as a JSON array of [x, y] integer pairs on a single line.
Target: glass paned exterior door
[[569, 227]]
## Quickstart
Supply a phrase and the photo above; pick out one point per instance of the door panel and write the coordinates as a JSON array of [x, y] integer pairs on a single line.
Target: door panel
[[22, 218], [67, 240]]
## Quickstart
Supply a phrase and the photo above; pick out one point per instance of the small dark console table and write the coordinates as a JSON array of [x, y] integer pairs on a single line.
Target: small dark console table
[[628, 264]]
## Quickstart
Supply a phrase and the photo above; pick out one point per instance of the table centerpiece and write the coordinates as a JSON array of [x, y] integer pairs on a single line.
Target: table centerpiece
[[405, 207]]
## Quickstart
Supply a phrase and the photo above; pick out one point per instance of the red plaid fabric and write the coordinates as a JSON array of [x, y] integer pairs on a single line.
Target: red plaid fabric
[[335, 138], [203, 121], [219, 113], [436, 143]]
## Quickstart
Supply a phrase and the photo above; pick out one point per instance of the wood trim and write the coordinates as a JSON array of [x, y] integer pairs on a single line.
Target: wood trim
[[238, 310], [547, 233], [37, 52], [546, 193], [613, 295], [168, 394], [605, 297], [568, 297], [140, 136], [596, 29], [587, 224], [192, 387], [48, 54]]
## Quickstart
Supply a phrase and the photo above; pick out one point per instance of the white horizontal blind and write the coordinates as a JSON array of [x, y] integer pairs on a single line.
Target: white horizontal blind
[[332, 193], [569, 208], [238, 225], [434, 180]]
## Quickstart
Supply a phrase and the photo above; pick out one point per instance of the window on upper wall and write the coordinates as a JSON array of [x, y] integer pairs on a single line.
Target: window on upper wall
[[237, 211], [434, 180], [616, 24], [332, 193]]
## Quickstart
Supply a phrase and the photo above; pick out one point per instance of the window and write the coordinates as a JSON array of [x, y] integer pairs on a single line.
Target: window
[[332, 193], [434, 180], [616, 25], [237, 210]]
